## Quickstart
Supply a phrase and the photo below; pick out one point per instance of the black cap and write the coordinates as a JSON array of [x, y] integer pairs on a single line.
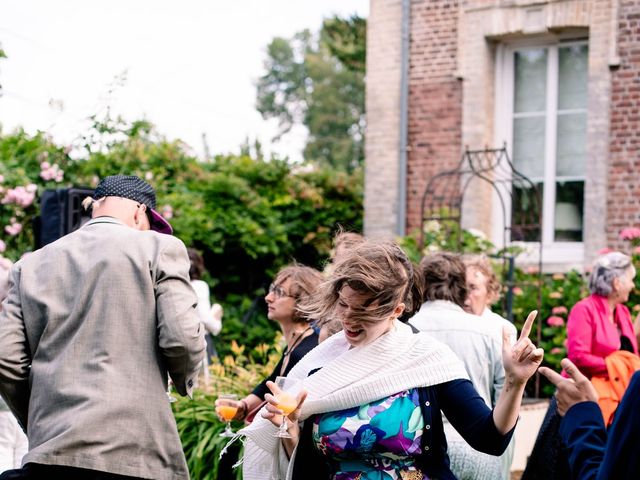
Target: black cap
[[136, 189]]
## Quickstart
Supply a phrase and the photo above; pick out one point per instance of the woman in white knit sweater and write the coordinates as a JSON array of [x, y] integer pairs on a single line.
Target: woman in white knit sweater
[[373, 393]]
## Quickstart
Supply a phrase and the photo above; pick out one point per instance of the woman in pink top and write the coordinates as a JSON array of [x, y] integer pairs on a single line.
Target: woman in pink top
[[601, 324]]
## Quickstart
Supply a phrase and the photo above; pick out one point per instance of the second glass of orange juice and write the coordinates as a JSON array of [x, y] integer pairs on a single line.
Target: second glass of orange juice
[[287, 401], [227, 409]]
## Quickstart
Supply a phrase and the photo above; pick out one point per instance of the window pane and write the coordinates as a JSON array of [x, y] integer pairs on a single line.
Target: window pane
[[530, 80], [525, 213], [569, 212], [528, 146], [572, 77], [571, 149]]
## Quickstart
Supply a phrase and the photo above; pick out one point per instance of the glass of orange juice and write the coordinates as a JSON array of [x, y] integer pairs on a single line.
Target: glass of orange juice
[[286, 396], [227, 407]]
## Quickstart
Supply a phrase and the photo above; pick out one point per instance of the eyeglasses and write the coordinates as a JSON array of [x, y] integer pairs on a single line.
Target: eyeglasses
[[277, 291]]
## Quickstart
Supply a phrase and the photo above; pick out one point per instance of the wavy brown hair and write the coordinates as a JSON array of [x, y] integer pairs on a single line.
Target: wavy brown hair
[[444, 277], [380, 271]]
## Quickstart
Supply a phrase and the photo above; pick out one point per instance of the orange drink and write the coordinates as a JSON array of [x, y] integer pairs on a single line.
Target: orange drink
[[286, 402], [226, 411]]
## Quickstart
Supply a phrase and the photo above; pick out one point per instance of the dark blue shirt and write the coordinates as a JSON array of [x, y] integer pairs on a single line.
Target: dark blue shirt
[[594, 454]]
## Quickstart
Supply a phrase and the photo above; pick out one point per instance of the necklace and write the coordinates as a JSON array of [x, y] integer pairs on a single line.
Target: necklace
[[297, 340], [287, 352]]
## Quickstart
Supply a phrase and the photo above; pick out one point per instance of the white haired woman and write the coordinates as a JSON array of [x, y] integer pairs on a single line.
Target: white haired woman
[[601, 324]]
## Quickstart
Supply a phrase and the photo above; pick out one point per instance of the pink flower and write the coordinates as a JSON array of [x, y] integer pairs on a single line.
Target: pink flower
[[3, 246], [51, 172], [555, 350], [637, 250], [532, 269], [13, 229], [517, 291], [148, 176], [555, 295], [561, 310], [20, 195], [630, 233], [554, 321], [604, 251]]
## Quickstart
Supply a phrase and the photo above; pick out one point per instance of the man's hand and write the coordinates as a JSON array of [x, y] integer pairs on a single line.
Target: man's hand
[[571, 390]]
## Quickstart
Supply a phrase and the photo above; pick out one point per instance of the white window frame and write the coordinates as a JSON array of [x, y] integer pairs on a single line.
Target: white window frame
[[556, 255]]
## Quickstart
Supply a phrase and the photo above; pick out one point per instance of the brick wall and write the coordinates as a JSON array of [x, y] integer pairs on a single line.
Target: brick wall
[[435, 98], [623, 200]]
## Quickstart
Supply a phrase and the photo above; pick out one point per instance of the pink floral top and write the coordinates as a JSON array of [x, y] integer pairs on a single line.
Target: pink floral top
[[591, 336]]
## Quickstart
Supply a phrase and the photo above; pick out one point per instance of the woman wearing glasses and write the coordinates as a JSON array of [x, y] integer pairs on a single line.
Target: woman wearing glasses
[[293, 285]]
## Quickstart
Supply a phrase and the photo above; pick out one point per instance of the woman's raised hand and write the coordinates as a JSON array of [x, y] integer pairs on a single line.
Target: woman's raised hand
[[522, 359]]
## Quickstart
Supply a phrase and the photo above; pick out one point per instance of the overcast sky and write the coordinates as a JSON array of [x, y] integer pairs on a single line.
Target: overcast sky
[[189, 66]]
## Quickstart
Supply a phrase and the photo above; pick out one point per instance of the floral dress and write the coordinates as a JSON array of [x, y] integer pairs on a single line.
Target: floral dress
[[376, 441]]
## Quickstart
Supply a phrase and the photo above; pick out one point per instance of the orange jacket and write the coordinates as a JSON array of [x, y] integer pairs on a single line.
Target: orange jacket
[[620, 367]]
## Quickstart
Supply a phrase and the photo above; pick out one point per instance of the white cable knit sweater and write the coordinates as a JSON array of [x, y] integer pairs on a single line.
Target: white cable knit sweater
[[397, 361]]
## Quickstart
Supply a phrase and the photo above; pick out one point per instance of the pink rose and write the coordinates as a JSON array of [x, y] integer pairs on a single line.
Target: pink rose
[[517, 291], [555, 321], [559, 310], [555, 351]]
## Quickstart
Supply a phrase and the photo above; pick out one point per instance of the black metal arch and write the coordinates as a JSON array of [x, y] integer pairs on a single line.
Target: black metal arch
[[520, 206]]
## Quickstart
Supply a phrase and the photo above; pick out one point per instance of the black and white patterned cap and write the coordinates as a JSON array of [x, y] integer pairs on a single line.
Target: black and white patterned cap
[[136, 189]]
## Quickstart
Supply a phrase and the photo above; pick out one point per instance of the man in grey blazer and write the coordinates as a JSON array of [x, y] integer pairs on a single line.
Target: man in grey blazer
[[92, 325]]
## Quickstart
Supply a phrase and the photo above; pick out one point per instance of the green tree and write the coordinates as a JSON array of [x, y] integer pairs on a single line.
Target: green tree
[[347, 40], [318, 81]]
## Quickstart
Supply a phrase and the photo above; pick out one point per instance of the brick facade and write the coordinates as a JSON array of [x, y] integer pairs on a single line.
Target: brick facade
[[454, 101], [623, 200], [435, 98]]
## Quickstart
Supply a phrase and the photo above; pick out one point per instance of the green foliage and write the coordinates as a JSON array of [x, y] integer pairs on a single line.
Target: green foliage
[[307, 84]]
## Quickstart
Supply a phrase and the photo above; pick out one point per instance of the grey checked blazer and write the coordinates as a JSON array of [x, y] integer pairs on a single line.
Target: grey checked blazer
[[91, 326]]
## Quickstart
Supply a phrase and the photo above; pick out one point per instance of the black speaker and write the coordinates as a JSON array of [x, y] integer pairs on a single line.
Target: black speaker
[[61, 212]]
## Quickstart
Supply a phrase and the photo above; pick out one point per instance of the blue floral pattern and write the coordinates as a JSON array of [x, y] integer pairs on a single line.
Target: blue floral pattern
[[376, 441]]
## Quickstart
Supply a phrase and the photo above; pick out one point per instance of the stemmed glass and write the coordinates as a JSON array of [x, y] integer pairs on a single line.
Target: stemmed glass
[[288, 389], [227, 408]]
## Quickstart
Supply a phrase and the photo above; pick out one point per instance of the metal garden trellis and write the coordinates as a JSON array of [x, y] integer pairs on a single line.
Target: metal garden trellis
[[516, 196]]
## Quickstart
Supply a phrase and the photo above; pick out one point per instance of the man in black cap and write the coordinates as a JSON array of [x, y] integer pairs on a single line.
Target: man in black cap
[[92, 324]]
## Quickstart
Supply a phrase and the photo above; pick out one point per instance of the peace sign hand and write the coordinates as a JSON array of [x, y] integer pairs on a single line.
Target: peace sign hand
[[522, 359]]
